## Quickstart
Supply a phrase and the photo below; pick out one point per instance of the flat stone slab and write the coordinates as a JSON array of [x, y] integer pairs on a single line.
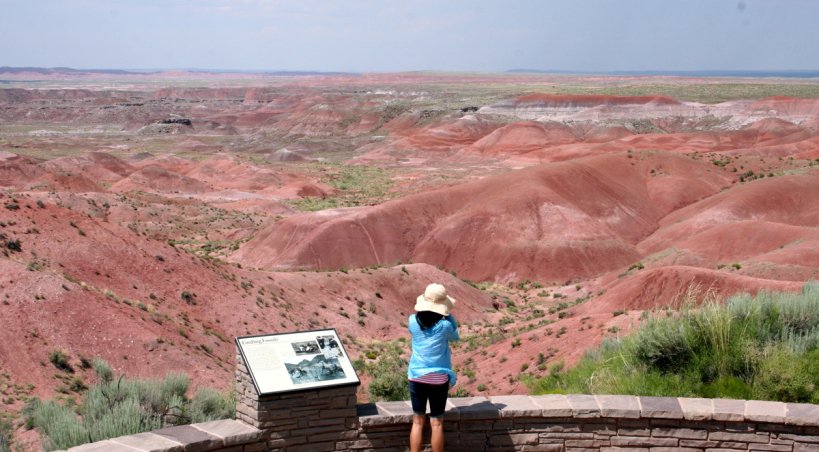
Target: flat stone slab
[[516, 406], [553, 405], [401, 411], [661, 407], [697, 409], [103, 446], [195, 440], [232, 432], [150, 442], [584, 406], [619, 406], [475, 408], [395, 408], [729, 410], [764, 411], [802, 414]]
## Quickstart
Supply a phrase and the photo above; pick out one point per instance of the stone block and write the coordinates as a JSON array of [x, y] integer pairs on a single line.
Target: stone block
[[739, 437], [729, 410], [800, 438], [695, 409], [312, 447], [103, 446], [643, 441], [675, 449], [681, 433], [778, 447], [553, 405], [542, 448], [587, 443], [624, 449], [566, 435], [231, 432], [359, 444], [764, 411], [619, 406], [600, 429], [802, 414], [514, 439], [150, 441], [798, 447], [471, 408], [584, 406], [515, 406], [660, 407], [698, 443], [194, 439], [338, 413], [634, 432]]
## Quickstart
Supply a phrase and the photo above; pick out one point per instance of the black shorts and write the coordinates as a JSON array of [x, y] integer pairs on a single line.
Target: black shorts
[[436, 394]]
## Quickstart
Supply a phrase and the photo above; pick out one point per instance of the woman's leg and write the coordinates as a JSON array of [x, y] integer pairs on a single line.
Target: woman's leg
[[418, 397], [437, 440], [417, 433]]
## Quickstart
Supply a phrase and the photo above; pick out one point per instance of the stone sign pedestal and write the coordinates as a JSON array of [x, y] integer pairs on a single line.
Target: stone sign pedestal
[[309, 420]]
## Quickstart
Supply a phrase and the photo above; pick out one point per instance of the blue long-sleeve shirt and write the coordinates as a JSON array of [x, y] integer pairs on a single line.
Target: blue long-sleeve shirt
[[430, 348]]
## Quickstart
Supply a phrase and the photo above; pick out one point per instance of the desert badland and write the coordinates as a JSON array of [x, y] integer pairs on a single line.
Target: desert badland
[[150, 219]]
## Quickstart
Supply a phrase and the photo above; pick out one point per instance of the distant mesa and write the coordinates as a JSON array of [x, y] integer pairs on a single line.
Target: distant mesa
[[172, 126]]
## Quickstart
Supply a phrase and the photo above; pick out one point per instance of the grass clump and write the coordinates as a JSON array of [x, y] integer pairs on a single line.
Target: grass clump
[[764, 347], [120, 406]]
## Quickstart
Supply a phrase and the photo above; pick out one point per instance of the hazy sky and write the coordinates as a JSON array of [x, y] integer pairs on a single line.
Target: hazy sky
[[400, 35]]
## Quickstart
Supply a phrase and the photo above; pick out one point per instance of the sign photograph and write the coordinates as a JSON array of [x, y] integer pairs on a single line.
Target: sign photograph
[[296, 361]]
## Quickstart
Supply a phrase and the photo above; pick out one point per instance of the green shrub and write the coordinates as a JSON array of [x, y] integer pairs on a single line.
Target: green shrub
[[121, 406], [60, 360], [763, 347], [389, 373]]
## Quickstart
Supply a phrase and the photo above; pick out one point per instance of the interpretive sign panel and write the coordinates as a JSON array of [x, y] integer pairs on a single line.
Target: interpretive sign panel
[[296, 361]]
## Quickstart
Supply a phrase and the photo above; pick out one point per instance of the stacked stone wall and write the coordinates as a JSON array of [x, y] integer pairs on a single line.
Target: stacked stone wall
[[330, 420]]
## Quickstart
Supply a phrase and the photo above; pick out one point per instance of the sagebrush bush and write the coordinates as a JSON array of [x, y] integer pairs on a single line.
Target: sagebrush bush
[[120, 406], [389, 375], [763, 347]]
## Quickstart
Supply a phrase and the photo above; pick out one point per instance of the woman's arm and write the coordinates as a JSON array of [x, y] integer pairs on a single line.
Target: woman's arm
[[453, 336]]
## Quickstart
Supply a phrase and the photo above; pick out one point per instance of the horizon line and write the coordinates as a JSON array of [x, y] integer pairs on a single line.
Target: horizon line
[[791, 73]]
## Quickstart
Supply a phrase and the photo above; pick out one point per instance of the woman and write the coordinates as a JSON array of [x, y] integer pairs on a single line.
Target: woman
[[430, 367]]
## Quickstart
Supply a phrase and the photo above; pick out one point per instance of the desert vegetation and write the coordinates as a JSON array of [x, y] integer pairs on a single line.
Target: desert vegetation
[[116, 406], [763, 347]]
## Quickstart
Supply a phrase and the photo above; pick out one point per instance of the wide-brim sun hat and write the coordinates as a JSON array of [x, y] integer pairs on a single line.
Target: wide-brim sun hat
[[435, 299]]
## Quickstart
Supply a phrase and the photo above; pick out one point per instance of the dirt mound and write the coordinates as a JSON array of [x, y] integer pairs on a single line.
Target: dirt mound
[[158, 179], [227, 172], [523, 137], [789, 106], [18, 171], [449, 135], [789, 200], [95, 166], [561, 221]]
